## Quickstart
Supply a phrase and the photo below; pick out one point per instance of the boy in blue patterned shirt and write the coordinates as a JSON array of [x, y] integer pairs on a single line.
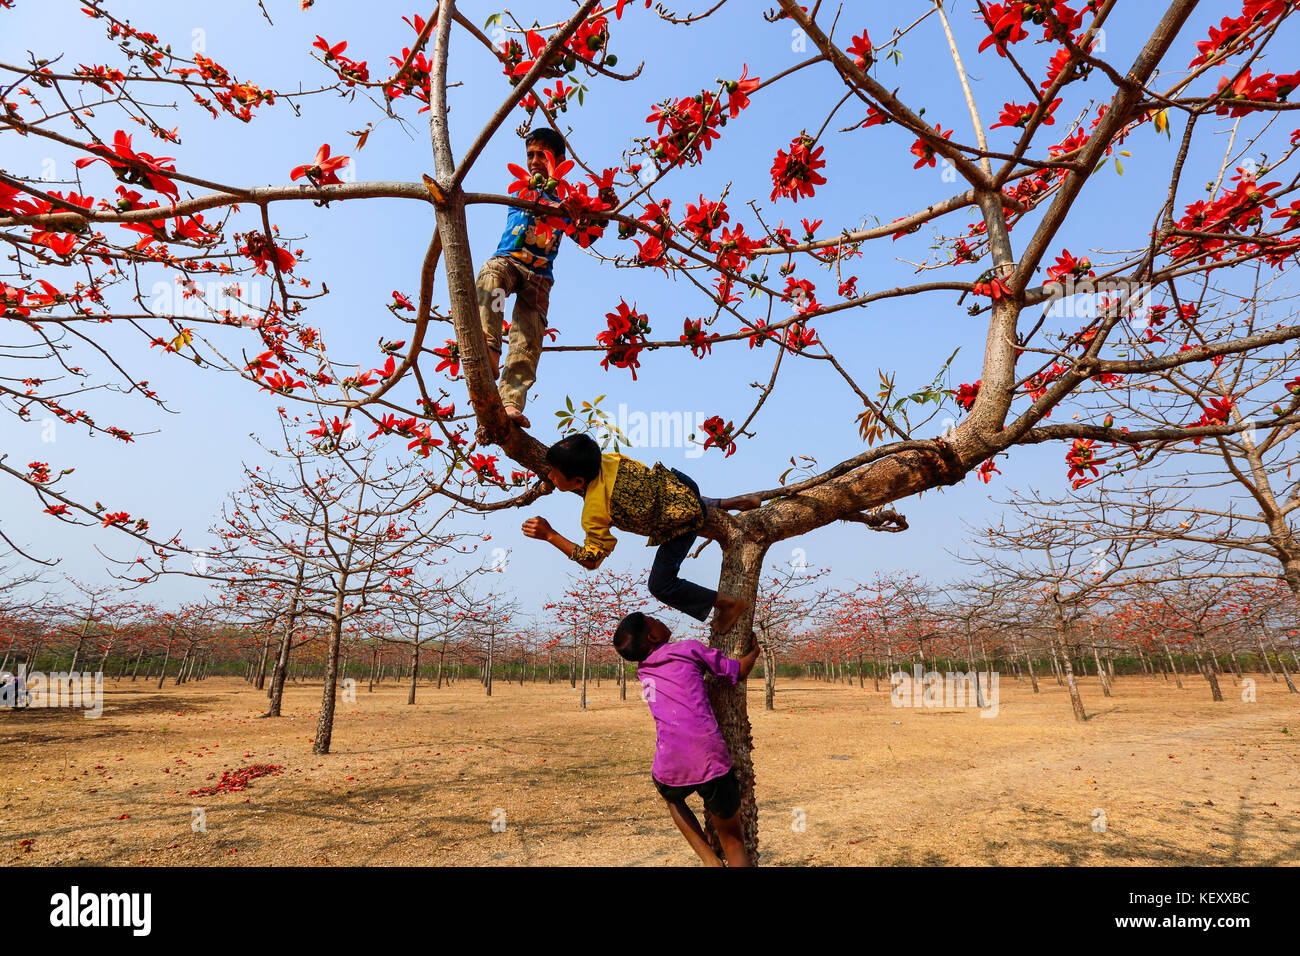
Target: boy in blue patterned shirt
[[522, 267]]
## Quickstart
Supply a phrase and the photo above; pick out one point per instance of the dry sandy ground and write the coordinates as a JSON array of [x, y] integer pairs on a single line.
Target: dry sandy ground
[[1180, 780]]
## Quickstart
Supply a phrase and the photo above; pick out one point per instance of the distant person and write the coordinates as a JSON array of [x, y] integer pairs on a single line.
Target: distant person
[[690, 754]]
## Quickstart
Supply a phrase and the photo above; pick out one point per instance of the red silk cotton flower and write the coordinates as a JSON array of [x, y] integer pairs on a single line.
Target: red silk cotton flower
[[322, 171], [990, 286], [861, 51], [925, 151], [1081, 461], [624, 338], [719, 435], [966, 394], [795, 174]]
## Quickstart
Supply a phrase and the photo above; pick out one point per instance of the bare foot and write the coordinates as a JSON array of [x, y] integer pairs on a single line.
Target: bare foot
[[518, 417], [725, 611]]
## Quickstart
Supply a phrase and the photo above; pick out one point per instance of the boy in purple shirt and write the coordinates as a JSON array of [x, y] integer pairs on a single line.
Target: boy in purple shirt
[[690, 754]]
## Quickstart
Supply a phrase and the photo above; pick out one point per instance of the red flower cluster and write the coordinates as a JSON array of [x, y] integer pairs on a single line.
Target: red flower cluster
[[760, 333], [227, 91], [1254, 13], [1006, 22], [1216, 413], [1081, 461], [624, 338], [1036, 387], [589, 39], [424, 441], [1236, 211], [701, 343], [237, 780], [1014, 114], [349, 71], [991, 286], [416, 80], [574, 205], [692, 122], [925, 151], [1068, 265], [1265, 88], [861, 51], [798, 337], [484, 468], [450, 355], [703, 219], [261, 250], [321, 171], [966, 394], [132, 168], [803, 293], [795, 174], [719, 435]]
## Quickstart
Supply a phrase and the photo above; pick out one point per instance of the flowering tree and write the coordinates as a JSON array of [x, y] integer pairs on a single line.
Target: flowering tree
[[787, 600], [588, 612], [78, 251]]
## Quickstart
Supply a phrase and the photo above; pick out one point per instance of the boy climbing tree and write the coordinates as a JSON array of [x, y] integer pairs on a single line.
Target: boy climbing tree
[[662, 504], [690, 754], [522, 266]]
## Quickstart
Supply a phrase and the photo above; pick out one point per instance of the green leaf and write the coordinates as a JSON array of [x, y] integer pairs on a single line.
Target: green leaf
[[494, 20], [1119, 167], [580, 89]]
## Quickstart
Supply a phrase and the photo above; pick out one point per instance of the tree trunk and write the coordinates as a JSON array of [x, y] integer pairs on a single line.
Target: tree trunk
[[325, 725], [1076, 701], [82, 639], [1281, 661], [415, 667], [180, 674], [584, 671], [742, 565], [1210, 675], [1033, 678], [281, 672], [259, 681], [1178, 681], [769, 677], [1101, 669]]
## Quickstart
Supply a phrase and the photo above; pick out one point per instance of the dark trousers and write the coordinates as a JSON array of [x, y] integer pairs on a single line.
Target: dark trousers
[[666, 582]]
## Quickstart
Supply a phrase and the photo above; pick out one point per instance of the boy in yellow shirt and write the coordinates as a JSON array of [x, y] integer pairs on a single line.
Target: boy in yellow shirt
[[661, 503]]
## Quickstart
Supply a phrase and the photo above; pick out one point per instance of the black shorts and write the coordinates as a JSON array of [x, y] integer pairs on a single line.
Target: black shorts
[[721, 795]]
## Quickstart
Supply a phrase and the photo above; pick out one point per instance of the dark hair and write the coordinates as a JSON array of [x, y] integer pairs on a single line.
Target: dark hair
[[632, 637], [550, 139], [577, 456]]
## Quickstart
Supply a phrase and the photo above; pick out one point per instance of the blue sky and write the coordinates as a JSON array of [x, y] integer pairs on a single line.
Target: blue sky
[[364, 250]]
